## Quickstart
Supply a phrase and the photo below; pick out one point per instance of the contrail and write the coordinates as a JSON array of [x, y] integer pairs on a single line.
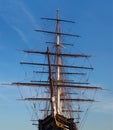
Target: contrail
[[21, 33]]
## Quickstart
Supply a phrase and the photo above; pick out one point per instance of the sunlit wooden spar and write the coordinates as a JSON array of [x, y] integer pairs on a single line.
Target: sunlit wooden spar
[[61, 85], [66, 66], [58, 33], [55, 54], [64, 110], [69, 82], [62, 99], [66, 73], [65, 94]]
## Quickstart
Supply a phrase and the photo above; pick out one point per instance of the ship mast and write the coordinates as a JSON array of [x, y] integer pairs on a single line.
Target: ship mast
[[53, 105], [57, 85], [59, 62]]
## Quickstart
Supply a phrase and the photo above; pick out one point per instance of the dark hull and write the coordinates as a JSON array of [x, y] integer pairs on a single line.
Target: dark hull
[[58, 122]]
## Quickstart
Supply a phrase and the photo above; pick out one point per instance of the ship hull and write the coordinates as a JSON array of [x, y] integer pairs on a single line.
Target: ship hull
[[58, 122]]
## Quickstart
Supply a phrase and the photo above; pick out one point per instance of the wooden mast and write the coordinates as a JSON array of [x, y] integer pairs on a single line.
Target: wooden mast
[[58, 62], [53, 104]]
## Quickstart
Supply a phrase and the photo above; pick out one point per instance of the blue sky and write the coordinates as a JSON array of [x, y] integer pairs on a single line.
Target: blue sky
[[94, 23]]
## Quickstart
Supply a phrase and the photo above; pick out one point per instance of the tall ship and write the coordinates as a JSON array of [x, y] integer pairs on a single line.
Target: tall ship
[[60, 94]]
